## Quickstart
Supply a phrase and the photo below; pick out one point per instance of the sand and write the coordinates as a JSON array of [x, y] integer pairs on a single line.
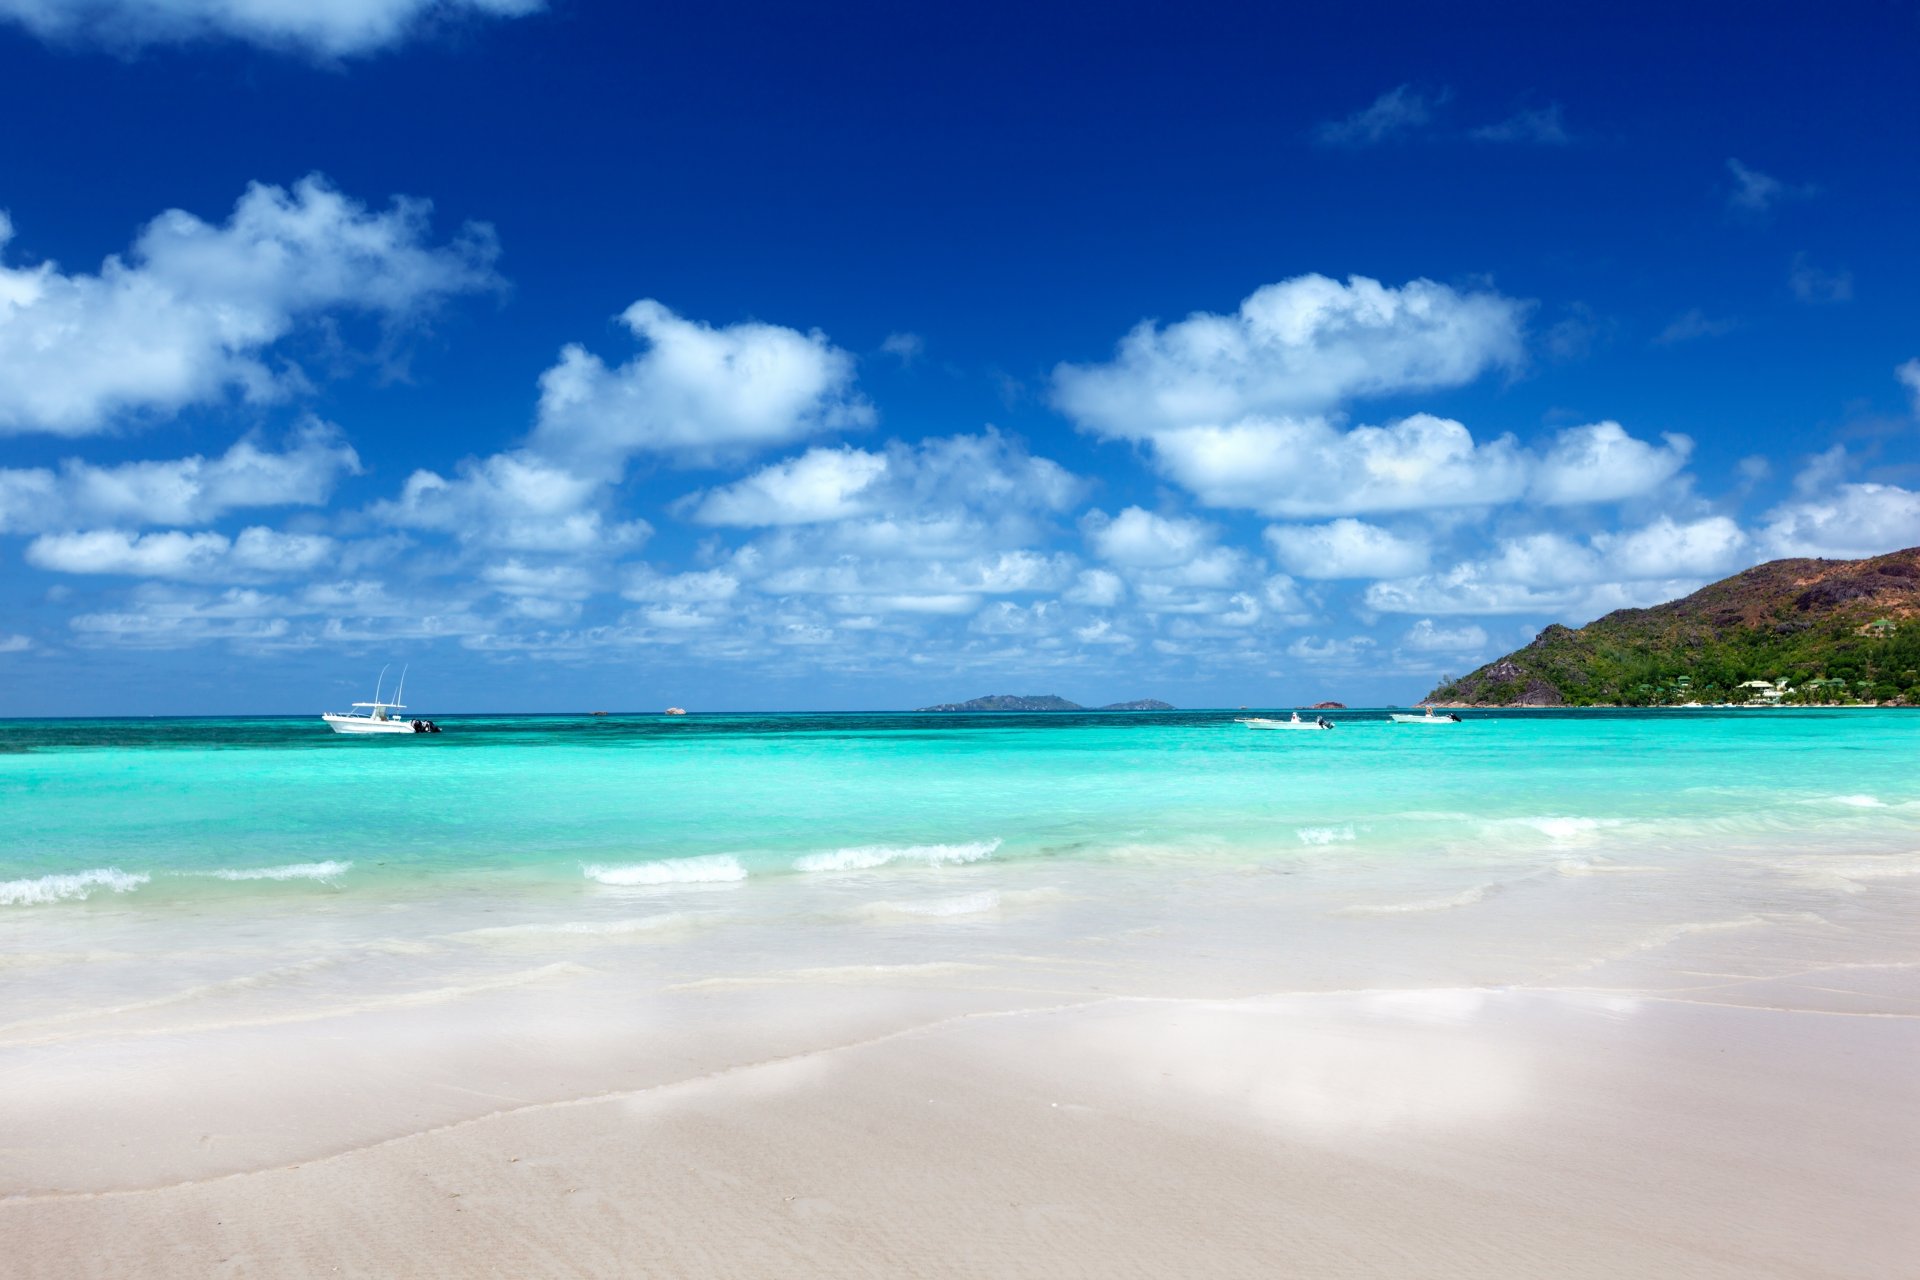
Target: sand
[[1600, 1071], [1440, 1133]]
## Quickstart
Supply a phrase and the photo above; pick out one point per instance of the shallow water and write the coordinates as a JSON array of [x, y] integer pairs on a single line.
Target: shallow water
[[160, 813]]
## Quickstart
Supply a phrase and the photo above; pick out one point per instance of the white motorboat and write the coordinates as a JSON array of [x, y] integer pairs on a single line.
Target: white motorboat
[[1428, 718], [1261, 722], [378, 715]]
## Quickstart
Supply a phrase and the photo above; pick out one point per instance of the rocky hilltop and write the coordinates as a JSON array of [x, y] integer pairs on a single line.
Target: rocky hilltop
[[1814, 631], [1042, 702]]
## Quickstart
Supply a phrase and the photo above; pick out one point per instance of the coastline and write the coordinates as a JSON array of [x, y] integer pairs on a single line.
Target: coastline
[[1004, 998]]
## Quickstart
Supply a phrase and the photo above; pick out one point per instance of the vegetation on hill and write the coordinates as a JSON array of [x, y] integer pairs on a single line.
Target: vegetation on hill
[[1828, 631]]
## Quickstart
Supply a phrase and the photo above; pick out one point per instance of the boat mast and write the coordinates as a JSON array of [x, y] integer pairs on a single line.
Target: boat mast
[[377, 683], [400, 698]]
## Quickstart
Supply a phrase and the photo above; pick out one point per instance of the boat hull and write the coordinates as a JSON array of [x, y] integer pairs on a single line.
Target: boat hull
[[366, 724], [1286, 724], [1424, 720]]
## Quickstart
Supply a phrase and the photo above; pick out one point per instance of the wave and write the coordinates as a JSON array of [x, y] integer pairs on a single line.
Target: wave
[[713, 868], [1563, 829], [539, 930], [1465, 898], [61, 888], [866, 856], [1856, 801], [1325, 835], [324, 871], [966, 904]]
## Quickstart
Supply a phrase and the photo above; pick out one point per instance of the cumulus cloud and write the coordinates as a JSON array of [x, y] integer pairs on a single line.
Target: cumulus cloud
[[1844, 521], [255, 552], [1427, 638], [697, 394], [821, 484], [1694, 324], [1139, 539], [517, 501], [1602, 463], [1346, 549], [1555, 574], [320, 28], [181, 491], [194, 311], [1400, 110], [1298, 347], [1307, 467]]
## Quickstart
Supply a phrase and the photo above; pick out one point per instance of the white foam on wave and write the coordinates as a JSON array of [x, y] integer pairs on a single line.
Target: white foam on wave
[[966, 904], [1858, 801], [1599, 867], [1564, 829], [1465, 898], [323, 871], [74, 885], [867, 856], [537, 931], [712, 868], [1325, 835]]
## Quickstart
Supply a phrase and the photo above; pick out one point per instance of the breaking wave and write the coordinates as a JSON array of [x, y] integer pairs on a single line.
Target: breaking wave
[[325, 871], [713, 868], [1325, 835], [62, 888], [865, 856]]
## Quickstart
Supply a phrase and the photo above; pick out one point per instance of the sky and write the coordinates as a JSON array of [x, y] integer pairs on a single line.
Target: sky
[[589, 355]]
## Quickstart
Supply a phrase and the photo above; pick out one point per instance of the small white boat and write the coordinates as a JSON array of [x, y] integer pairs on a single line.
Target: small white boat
[[1428, 718], [377, 717], [1261, 722]]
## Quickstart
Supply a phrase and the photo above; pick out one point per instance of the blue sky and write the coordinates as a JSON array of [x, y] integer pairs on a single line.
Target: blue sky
[[736, 356]]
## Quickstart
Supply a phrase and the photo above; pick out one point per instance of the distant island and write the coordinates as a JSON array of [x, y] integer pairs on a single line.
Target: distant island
[[1788, 632], [1328, 706], [1043, 702]]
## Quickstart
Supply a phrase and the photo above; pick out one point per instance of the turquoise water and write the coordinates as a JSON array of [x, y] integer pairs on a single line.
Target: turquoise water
[[157, 812]]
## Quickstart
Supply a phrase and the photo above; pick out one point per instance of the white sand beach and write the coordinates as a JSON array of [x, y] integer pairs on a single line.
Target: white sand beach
[[1646, 1072]]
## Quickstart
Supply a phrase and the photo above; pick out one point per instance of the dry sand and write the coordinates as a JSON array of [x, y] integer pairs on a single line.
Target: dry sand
[[1440, 1133]]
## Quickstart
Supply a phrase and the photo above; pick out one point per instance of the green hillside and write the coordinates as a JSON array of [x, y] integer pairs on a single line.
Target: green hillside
[[1828, 630]]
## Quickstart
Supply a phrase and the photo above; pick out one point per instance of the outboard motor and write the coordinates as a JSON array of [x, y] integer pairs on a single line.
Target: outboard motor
[[1323, 722], [432, 727], [419, 727]]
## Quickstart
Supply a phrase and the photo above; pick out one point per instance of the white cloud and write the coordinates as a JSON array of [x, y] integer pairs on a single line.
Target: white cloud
[[15, 643], [1846, 522], [1669, 549], [820, 484], [904, 347], [1602, 463], [319, 28], [1308, 467], [182, 491], [1427, 638], [1098, 588], [1817, 285], [1400, 110], [1757, 192], [1540, 126], [194, 310], [1298, 347], [1909, 377], [1138, 539], [1346, 549], [1554, 574], [516, 501], [1694, 324], [205, 557], [698, 394]]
